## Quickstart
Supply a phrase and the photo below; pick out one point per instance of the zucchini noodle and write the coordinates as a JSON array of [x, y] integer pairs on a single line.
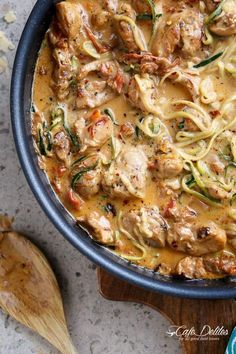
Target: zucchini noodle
[[222, 63], [151, 126], [202, 121], [199, 195], [133, 241], [215, 133]]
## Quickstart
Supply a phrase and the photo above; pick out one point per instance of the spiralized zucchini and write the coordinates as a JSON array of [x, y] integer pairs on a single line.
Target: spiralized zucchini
[[152, 126], [198, 195], [141, 247]]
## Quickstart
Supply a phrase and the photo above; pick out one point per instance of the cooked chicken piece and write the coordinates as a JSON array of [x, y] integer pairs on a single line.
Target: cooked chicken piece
[[198, 267], [146, 224], [111, 5], [196, 239], [93, 132], [231, 236], [131, 36], [191, 267], [216, 165], [163, 269], [225, 23], [182, 30], [127, 175], [212, 4], [149, 63], [100, 226], [178, 212], [217, 192], [89, 182], [143, 94], [63, 72], [190, 80], [93, 93], [69, 17], [167, 161], [142, 7], [225, 263], [166, 39], [62, 146], [102, 20], [168, 165]]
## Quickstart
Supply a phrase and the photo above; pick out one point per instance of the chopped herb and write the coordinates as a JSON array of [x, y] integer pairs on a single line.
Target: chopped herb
[[41, 144], [80, 159], [104, 196], [191, 182], [49, 139], [109, 208], [137, 130], [155, 15], [111, 115], [181, 124], [78, 175], [73, 83], [144, 17], [208, 61], [33, 110]]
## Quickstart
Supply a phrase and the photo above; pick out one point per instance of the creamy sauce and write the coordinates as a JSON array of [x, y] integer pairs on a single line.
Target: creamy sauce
[[159, 191]]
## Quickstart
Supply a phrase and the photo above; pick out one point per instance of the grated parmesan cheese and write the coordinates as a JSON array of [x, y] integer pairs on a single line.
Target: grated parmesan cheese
[[3, 65], [5, 43], [10, 16]]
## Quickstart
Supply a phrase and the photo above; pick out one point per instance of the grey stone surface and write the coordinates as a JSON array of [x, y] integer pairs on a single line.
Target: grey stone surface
[[97, 326]]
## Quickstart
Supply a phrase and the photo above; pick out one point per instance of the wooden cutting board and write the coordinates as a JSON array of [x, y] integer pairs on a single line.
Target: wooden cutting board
[[188, 312]]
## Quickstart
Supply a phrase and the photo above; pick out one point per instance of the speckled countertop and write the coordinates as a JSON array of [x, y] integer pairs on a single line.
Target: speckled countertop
[[97, 326]]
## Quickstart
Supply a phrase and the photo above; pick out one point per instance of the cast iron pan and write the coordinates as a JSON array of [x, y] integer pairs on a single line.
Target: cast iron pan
[[21, 84]]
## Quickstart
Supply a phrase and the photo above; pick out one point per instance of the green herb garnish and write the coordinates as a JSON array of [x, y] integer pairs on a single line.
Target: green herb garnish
[[144, 17], [41, 144], [181, 124], [109, 208], [191, 182], [111, 115], [208, 61]]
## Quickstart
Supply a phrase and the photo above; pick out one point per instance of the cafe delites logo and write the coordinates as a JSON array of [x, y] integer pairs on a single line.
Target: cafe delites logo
[[204, 333]]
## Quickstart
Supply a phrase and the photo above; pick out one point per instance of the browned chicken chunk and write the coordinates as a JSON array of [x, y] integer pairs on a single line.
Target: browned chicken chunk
[[181, 31], [148, 224], [69, 17], [131, 36], [127, 175], [198, 239], [225, 23], [207, 267], [100, 226], [191, 267], [62, 146]]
